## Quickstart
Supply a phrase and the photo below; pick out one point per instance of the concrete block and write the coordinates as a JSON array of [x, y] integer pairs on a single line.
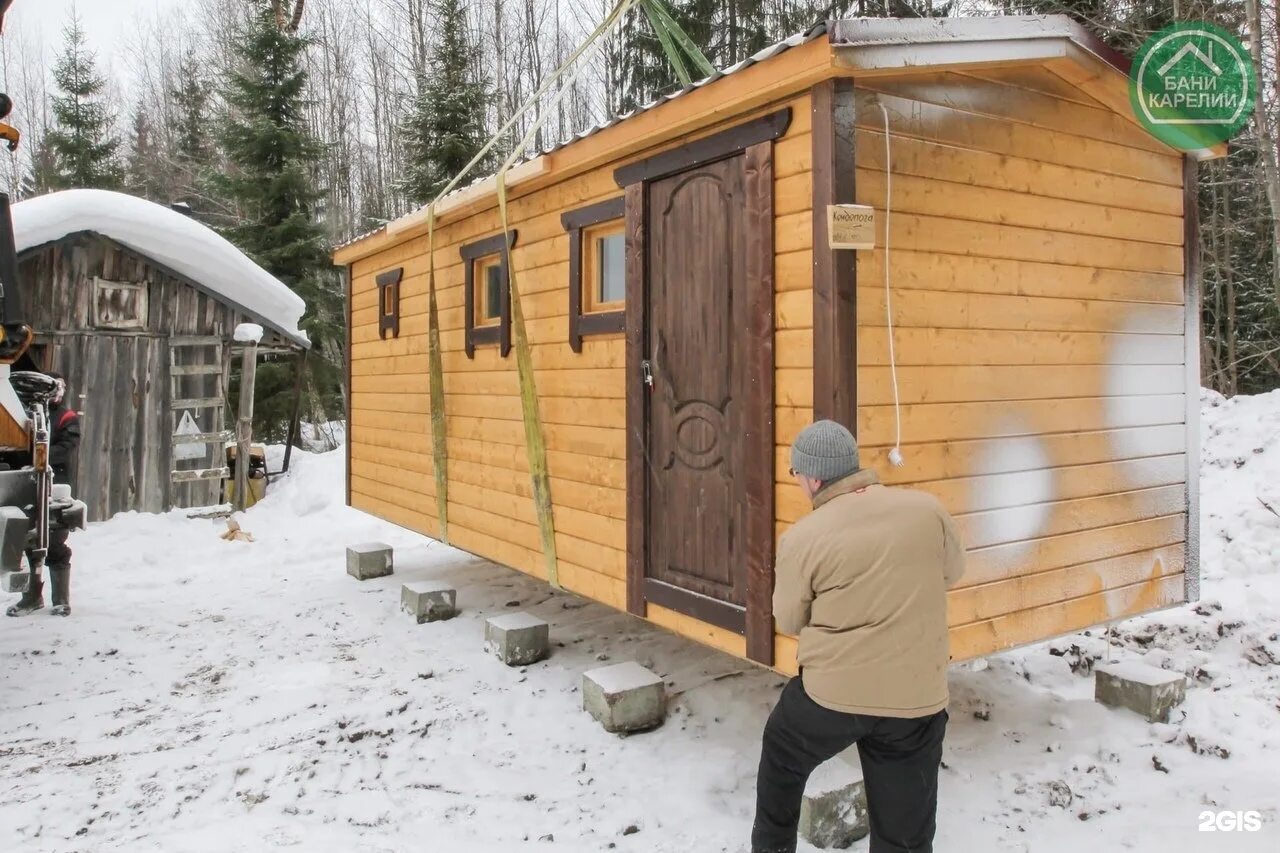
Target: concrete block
[[833, 812], [624, 697], [369, 560], [429, 601], [1143, 689], [517, 638]]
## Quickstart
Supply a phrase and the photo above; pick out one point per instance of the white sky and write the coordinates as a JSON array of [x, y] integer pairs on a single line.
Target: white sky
[[107, 22]]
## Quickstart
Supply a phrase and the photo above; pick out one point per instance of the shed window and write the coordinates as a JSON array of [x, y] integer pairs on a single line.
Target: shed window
[[488, 309], [119, 304], [597, 270]]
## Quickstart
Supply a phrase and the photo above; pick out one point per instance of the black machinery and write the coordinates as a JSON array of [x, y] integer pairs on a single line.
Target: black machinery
[[30, 502]]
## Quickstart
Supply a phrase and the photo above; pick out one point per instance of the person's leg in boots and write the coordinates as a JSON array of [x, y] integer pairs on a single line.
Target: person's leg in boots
[[60, 572], [900, 759], [800, 735], [33, 599]]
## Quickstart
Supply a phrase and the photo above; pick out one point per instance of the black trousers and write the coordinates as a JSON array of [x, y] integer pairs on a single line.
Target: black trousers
[[59, 554], [900, 759]]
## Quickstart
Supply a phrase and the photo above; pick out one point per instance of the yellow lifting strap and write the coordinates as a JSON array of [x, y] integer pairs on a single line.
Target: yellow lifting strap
[[535, 443], [435, 369]]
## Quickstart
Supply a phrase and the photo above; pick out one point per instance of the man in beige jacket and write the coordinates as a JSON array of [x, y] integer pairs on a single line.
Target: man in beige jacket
[[862, 582]]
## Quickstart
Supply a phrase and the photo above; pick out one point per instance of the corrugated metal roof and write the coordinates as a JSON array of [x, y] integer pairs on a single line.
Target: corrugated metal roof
[[864, 32], [814, 32]]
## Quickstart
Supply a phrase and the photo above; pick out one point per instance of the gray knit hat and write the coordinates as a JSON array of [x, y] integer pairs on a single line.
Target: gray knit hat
[[825, 451]]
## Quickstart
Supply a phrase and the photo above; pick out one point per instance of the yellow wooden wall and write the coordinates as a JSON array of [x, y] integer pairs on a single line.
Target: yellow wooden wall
[[581, 395], [1037, 271], [1038, 303]]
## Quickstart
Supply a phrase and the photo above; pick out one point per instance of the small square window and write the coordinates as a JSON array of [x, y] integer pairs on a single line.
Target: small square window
[[389, 302], [606, 268], [486, 294], [597, 270], [489, 295]]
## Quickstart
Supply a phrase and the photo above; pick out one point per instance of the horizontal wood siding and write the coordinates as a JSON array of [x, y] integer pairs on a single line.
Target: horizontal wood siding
[[1037, 272], [581, 395]]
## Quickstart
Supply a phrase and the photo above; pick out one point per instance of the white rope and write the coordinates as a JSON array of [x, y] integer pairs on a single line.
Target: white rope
[[895, 455]]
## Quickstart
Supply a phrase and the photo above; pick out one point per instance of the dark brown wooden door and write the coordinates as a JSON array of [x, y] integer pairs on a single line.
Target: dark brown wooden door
[[696, 303]]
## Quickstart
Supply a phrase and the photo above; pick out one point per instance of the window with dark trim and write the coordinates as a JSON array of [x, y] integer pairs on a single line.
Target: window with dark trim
[[488, 298], [597, 270], [389, 302]]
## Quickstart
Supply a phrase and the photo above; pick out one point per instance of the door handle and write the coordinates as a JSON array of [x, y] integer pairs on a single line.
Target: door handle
[[646, 372]]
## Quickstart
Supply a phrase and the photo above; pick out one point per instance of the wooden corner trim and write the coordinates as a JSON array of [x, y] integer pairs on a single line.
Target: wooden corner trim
[[501, 333], [637, 402], [706, 150], [758, 443], [835, 277], [389, 292], [346, 393], [1191, 290]]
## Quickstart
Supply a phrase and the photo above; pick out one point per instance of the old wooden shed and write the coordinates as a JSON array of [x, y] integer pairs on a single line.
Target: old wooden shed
[[687, 317], [136, 304]]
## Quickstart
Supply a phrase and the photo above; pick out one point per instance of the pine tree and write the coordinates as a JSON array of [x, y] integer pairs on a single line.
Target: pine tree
[[82, 140], [272, 159], [42, 175], [194, 150], [445, 128], [143, 177]]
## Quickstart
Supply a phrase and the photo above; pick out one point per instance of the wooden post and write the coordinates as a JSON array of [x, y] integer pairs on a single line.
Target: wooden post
[[244, 422], [299, 367]]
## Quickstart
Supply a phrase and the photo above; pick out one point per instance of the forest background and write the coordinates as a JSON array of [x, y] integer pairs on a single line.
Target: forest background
[[292, 125]]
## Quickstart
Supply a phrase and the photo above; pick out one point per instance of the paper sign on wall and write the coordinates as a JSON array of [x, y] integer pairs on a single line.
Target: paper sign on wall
[[187, 450], [851, 226]]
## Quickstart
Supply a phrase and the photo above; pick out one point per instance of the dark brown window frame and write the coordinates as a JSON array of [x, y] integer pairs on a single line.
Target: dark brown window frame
[[599, 322], [389, 284], [500, 333]]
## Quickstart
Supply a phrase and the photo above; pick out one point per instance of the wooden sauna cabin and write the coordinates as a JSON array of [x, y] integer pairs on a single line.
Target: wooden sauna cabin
[[136, 304], [686, 317]]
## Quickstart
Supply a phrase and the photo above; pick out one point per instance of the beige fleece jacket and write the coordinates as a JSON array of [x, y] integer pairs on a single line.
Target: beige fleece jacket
[[862, 581]]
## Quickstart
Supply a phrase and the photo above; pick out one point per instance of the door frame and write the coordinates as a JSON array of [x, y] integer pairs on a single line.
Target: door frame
[[754, 141]]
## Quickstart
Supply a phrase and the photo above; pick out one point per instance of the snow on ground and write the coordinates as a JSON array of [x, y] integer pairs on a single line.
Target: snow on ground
[[232, 696]]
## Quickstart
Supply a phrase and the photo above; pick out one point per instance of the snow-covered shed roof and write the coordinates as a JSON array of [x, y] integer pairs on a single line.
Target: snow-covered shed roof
[[181, 244]]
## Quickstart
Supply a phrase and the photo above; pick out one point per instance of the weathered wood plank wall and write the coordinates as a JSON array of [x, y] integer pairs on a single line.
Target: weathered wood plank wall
[[120, 378]]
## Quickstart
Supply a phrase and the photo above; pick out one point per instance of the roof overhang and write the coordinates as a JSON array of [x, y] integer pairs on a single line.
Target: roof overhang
[[897, 46], [894, 45]]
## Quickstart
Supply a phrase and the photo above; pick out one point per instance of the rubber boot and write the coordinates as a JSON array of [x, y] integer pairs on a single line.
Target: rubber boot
[[60, 579], [31, 601]]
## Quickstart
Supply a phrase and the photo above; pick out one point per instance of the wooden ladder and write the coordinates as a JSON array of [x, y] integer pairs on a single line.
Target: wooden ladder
[[180, 370]]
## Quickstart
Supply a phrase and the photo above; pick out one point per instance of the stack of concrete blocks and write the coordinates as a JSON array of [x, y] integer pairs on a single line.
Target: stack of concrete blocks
[[518, 639], [429, 601], [833, 813], [624, 697], [1141, 688], [369, 560]]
